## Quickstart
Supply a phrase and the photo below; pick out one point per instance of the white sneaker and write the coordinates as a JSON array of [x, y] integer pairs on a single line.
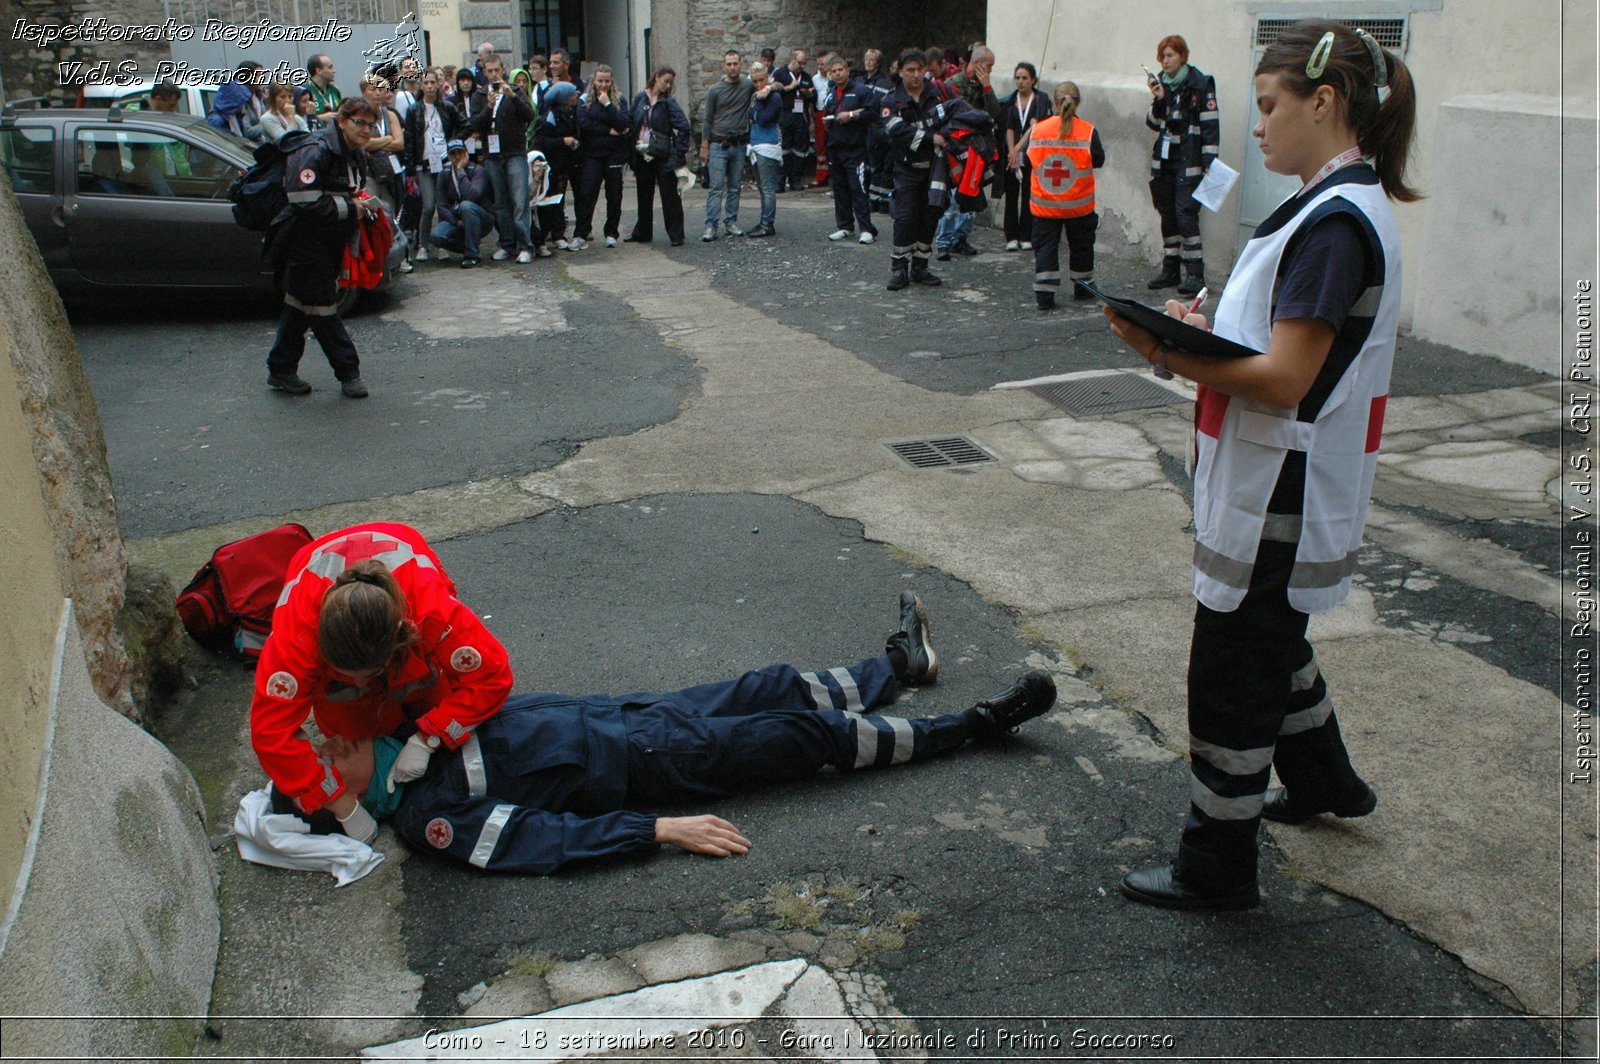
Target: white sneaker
[[732, 229], [1011, 245], [501, 255], [406, 267], [611, 241], [866, 238], [1027, 245], [577, 243], [839, 234], [421, 255], [562, 245], [524, 256], [441, 254]]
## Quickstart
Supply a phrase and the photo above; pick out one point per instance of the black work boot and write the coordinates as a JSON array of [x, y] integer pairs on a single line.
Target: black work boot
[[1046, 300], [1029, 697], [1194, 278], [1081, 294], [897, 277], [916, 661], [1279, 807], [920, 274], [1168, 275]]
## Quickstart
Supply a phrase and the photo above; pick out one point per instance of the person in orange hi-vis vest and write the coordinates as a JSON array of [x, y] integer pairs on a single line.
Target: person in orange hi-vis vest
[[1063, 153]]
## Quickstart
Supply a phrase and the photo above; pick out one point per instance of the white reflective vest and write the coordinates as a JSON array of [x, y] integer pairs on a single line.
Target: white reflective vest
[[1241, 445]]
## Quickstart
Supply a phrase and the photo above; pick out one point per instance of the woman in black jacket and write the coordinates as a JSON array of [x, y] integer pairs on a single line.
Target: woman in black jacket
[[657, 121], [604, 147], [431, 124], [556, 135], [1023, 108]]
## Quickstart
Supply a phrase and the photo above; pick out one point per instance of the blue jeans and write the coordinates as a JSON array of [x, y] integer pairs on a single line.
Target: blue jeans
[[954, 227], [768, 173], [508, 176], [474, 220], [725, 171]]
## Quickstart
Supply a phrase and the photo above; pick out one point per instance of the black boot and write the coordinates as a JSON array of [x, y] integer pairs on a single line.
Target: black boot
[[1168, 275], [1081, 294], [897, 277], [1046, 300], [909, 646], [1194, 279], [920, 274], [1029, 697]]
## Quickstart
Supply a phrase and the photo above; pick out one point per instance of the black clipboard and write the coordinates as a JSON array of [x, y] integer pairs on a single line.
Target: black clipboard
[[1170, 330]]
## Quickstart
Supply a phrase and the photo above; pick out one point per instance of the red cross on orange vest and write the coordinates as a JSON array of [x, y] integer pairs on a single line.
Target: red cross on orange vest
[[1057, 173]]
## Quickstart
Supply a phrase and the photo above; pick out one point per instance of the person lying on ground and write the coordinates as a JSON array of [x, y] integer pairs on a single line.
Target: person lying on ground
[[552, 778]]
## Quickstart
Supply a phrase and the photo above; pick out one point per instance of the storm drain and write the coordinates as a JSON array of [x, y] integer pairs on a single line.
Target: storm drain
[[940, 452], [1109, 394]]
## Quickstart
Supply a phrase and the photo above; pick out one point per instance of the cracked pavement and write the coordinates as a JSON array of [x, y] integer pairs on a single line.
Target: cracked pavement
[[656, 467]]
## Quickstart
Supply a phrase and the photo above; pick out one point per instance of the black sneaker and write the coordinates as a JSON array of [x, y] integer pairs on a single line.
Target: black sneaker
[[353, 388], [469, 264], [1029, 697], [288, 382], [911, 639], [943, 255], [964, 248]]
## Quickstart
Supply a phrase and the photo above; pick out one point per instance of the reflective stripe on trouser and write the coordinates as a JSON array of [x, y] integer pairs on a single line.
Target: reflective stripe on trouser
[[1256, 700], [773, 725], [1047, 234], [289, 346], [914, 221]]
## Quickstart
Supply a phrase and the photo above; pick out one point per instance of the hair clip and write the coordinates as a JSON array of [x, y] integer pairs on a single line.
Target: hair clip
[[1319, 56], [1380, 68]]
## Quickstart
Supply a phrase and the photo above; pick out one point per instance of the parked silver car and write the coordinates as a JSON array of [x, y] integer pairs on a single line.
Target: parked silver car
[[136, 202]]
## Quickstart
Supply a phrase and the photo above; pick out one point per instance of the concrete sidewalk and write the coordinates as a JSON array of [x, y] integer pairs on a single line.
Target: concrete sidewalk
[[1444, 656]]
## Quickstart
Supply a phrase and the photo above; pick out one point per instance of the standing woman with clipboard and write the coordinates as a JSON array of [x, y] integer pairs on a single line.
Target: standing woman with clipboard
[[1286, 449]]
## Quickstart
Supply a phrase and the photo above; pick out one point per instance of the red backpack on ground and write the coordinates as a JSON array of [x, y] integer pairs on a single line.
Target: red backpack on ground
[[228, 605]]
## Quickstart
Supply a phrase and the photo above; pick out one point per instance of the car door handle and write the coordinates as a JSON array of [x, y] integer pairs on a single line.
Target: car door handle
[[63, 213]]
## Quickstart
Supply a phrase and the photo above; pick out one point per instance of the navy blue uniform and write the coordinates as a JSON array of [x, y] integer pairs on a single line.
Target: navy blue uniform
[[795, 124], [910, 126], [306, 247], [847, 148], [1186, 117], [554, 778]]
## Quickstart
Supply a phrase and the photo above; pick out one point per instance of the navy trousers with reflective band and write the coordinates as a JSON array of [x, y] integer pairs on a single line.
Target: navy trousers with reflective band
[[1257, 700], [549, 778]]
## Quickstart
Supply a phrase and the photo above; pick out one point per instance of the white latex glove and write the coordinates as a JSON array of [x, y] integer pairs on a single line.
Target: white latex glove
[[359, 825], [411, 763]]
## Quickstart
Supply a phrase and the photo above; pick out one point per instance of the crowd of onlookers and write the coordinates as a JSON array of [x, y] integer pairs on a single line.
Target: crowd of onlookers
[[529, 153]]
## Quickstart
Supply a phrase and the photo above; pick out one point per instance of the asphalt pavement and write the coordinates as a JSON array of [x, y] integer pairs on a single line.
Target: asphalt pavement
[[651, 467]]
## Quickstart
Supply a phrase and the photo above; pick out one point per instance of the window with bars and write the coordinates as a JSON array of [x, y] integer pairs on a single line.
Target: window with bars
[[1388, 32]]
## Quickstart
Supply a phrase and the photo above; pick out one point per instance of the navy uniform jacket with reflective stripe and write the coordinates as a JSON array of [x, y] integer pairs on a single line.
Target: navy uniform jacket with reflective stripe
[[317, 182], [561, 766]]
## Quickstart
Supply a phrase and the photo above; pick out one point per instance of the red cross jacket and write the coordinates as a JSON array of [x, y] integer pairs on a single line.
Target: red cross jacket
[[451, 679]]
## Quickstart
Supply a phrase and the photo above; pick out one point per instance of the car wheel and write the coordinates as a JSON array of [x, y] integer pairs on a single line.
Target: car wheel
[[348, 298]]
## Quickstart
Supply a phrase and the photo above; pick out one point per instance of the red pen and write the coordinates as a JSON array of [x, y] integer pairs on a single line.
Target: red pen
[[1199, 301]]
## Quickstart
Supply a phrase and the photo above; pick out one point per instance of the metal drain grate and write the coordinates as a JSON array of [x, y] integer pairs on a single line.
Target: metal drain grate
[[1107, 395], [940, 452]]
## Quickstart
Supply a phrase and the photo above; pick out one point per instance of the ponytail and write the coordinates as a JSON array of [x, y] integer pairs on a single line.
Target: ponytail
[[363, 623], [1317, 52], [1065, 100]]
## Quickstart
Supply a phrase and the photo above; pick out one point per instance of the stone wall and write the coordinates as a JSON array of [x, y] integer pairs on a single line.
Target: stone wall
[[30, 70], [711, 27], [69, 450]]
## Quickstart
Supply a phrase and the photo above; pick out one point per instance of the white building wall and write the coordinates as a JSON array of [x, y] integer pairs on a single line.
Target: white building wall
[[1480, 65]]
